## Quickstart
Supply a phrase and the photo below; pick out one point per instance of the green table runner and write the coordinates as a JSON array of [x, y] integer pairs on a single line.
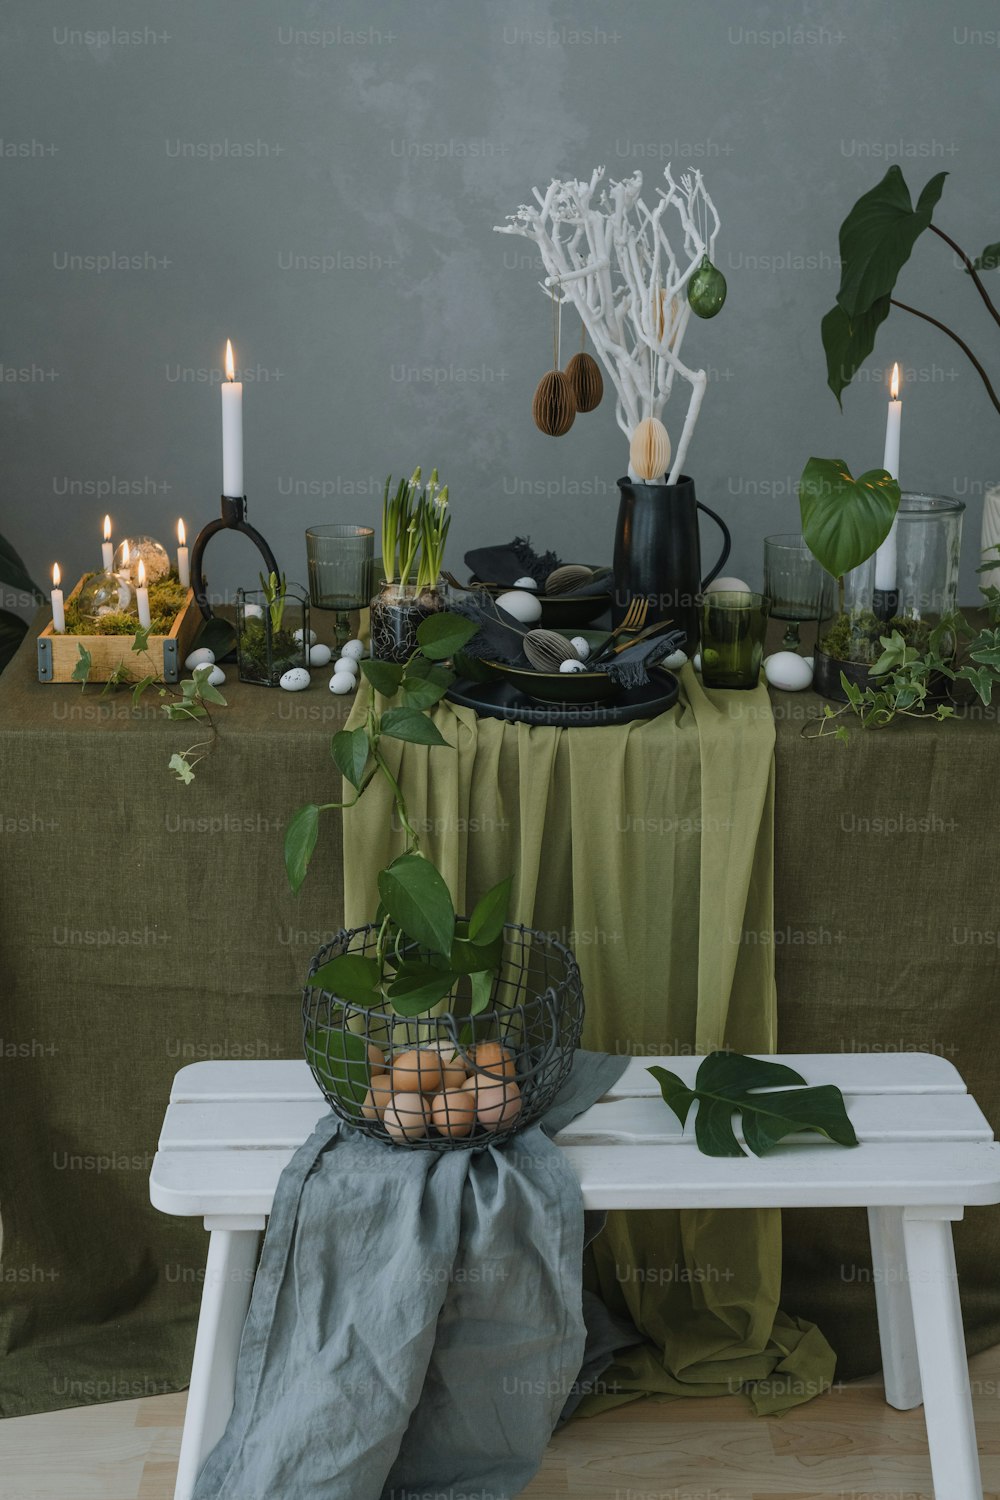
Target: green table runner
[[647, 848]]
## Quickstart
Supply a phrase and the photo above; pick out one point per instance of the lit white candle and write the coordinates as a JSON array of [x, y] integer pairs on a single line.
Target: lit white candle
[[107, 550], [183, 564], [232, 428], [58, 609], [885, 557], [142, 596]]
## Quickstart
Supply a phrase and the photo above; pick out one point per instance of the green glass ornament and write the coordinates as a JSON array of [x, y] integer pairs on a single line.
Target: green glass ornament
[[707, 289]]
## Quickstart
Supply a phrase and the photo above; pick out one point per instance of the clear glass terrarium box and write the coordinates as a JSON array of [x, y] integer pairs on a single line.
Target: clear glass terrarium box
[[928, 552], [265, 650]]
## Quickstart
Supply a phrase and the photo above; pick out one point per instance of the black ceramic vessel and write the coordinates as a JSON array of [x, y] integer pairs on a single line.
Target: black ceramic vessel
[[658, 553]]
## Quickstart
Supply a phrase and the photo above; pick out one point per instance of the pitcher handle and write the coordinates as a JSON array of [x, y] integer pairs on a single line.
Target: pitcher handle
[[727, 543]]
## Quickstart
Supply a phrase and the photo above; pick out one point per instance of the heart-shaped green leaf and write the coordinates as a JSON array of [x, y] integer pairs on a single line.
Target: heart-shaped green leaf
[[724, 1086], [418, 900], [300, 841], [467, 957], [350, 748], [418, 986], [845, 519], [384, 676], [442, 634], [848, 341], [340, 1060], [411, 725], [349, 976], [988, 260], [482, 990], [490, 913], [425, 689], [877, 238]]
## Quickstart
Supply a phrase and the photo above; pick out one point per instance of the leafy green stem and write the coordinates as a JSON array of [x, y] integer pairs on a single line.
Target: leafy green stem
[[905, 306], [970, 268]]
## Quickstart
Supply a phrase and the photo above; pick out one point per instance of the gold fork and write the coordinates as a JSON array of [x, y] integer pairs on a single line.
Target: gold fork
[[635, 619]]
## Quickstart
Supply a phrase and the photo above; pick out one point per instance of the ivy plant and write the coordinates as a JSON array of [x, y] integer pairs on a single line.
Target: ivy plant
[[424, 951]]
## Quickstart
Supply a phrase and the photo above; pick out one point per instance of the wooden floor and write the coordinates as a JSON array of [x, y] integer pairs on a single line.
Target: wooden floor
[[847, 1444]]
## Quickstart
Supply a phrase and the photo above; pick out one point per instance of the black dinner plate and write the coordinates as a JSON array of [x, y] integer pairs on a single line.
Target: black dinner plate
[[500, 700]]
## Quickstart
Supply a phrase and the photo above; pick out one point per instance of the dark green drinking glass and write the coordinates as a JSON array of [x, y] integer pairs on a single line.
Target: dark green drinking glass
[[733, 624]]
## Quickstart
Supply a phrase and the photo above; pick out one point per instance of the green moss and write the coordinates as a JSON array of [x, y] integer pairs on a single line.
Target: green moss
[[166, 599], [286, 651], [857, 637]]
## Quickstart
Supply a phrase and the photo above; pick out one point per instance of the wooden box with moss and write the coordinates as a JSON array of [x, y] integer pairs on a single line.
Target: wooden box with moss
[[175, 620]]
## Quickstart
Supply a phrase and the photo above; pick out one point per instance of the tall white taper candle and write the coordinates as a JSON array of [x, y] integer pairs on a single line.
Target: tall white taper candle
[[232, 428]]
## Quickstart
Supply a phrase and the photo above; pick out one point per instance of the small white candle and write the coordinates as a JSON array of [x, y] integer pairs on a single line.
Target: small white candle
[[232, 428], [58, 609], [142, 596], [885, 557], [107, 550], [183, 564]]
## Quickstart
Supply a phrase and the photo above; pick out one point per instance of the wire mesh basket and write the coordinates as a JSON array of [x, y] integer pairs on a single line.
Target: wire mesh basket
[[448, 1081]]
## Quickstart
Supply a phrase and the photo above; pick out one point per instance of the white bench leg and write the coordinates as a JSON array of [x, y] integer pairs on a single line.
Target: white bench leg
[[900, 1367], [229, 1273], [944, 1369]]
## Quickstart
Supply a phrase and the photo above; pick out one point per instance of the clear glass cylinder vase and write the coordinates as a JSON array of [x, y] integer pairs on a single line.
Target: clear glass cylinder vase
[[397, 612]]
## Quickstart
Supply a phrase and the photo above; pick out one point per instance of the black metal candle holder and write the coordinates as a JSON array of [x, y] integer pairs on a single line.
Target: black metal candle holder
[[233, 518]]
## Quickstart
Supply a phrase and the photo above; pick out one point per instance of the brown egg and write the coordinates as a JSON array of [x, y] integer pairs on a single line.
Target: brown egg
[[407, 1117], [495, 1059], [417, 1072], [376, 1062], [454, 1112], [497, 1104], [377, 1097]]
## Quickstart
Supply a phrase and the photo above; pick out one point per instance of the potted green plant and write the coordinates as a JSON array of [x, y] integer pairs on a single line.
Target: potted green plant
[[272, 630], [415, 524], [425, 1027]]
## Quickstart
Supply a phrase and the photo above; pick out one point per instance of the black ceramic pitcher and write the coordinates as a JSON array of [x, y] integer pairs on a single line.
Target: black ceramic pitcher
[[658, 553]]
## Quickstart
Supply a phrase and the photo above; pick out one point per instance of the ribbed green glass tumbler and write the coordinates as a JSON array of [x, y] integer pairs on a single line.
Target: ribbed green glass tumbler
[[733, 624], [340, 560]]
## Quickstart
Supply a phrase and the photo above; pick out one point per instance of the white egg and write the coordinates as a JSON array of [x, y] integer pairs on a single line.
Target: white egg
[[571, 665], [581, 647], [728, 585], [696, 661], [253, 611], [294, 680], [674, 661], [216, 677], [298, 634], [199, 658], [319, 656], [346, 664], [788, 671], [353, 648], [343, 682], [521, 605], [526, 583]]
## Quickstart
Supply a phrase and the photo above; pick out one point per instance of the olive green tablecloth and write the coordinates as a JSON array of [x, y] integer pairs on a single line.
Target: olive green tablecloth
[[144, 925], [647, 848]]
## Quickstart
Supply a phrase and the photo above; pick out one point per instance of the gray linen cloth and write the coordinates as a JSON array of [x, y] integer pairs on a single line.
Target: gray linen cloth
[[417, 1324]]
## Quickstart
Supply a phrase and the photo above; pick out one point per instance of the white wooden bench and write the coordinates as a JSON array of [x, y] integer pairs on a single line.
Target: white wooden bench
[[926, 1153]]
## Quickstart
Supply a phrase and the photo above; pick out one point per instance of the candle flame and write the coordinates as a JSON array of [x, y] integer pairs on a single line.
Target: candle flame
[[894, 383], [125, 555], [141, 574], [230, 362], [56, 576], [181, 533], [107, 528]]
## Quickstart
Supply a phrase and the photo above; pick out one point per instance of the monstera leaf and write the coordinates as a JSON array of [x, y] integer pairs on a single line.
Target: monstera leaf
[[845, 519], [727, 1083]]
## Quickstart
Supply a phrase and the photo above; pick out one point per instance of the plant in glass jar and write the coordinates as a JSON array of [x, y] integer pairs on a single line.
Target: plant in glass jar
[[272, 630], [415, 524]]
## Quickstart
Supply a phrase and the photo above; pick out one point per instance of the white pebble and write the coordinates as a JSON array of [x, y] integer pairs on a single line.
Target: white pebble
[[520, 605], [319, 656], [674, 661], [353, 648], [298, 637], [346, 664], [199, 658], [526, 583], [216, 677], [343, 682], [572, 665], [294, 680], [581, 647]]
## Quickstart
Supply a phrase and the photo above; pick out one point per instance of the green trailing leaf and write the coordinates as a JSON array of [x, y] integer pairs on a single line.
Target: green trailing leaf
[[350, 750], [141, 640], [117, 678], [189, 709], [482, 990], [349, 976], [384, 676], [300, 841], [140, 687], [418, 900], [490, 913], [418, 986], [442, 634], [982, 679], [181, 768], [467, 957], [203, 688], [420, 691], [728, 1083], [988, 260], [878, 236], [340, 1061], [848, 341], [845, 519], [83, 665], [411, 725]]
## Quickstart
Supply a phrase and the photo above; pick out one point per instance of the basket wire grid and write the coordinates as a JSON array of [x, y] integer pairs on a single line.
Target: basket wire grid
[[450, 1081]]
